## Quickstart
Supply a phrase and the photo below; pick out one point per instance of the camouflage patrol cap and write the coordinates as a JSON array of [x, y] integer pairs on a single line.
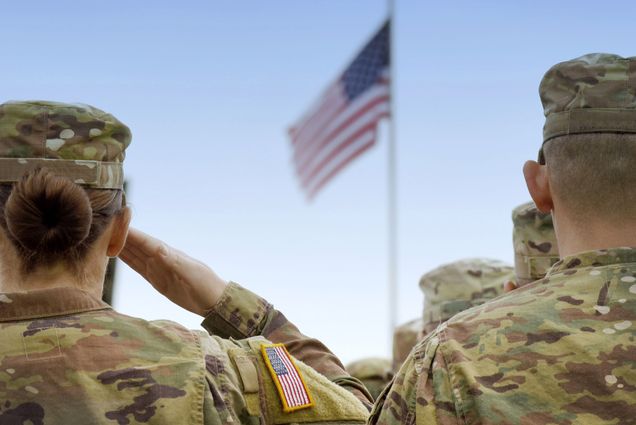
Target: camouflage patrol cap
[[534, 243], [460, 285], [76, 141], [374, 372], [595, 93]]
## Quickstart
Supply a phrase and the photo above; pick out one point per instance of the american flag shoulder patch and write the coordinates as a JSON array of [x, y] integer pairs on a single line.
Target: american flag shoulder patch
[[287, 378]]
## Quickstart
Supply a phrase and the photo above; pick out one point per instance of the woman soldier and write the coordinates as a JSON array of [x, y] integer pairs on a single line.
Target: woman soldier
[[68, 358]]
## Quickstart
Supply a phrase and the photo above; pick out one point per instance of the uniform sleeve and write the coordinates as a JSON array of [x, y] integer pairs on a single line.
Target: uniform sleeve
[[242, 314], [421, 392]]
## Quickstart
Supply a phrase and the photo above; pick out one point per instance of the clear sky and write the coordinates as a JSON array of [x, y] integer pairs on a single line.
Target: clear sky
[[210, 87]]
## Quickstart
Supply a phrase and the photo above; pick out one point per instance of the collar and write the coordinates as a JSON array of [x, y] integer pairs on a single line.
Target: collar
[[46, 303], [596, 258]]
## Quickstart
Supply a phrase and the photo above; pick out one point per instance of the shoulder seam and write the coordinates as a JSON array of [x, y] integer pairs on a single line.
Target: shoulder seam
[[451, 378]]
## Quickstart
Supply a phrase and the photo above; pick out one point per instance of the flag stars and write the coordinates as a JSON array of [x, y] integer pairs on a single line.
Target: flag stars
[[367, 67]]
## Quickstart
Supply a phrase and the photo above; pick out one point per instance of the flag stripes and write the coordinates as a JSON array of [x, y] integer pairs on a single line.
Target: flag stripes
[[291, 383], [343, 123], [294, 393]]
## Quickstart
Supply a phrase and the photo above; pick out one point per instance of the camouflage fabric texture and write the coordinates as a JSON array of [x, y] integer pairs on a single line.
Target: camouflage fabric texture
[[68, 358], [76, 141], [241, 314], [460, 285], [534, 242], [590, 94], [448, 290], [557, 351], [374, 372]]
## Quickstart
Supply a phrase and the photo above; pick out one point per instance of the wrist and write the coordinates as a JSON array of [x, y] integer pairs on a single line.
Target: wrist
[[214, 296]]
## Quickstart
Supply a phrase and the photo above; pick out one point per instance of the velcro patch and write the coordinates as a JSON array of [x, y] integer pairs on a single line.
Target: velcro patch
[[291, 386]]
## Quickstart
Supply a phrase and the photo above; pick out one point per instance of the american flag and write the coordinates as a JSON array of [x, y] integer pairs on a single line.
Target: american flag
[[293, 391], [343, 123]]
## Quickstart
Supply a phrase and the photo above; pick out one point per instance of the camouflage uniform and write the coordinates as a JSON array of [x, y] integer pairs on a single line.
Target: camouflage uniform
[[534, 242], [68, 358], [374, 372], [559, 350], [449, 289]]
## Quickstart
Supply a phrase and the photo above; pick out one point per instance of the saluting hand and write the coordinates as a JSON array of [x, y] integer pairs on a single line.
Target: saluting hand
[[180, 278]]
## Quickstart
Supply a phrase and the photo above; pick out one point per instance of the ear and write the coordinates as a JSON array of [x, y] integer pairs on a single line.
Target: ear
[[538, 183], [121, 223]]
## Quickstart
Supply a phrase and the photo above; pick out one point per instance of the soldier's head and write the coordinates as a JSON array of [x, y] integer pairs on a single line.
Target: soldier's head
[[534, 243], [61, 182], [460, 285], [585, 173], [374, 372]]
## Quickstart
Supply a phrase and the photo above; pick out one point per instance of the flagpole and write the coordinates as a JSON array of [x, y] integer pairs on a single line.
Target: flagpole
[[392, 185]]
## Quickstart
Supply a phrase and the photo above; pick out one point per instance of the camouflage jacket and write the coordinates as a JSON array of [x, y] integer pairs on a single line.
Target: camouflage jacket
[[68, 358], [561, 350]]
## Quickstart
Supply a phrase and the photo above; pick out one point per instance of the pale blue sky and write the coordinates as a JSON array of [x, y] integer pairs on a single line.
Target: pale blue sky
[[209, 88]]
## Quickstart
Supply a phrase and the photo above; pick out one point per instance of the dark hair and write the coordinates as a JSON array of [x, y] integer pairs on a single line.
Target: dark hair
[[50, 219], [594, 174]]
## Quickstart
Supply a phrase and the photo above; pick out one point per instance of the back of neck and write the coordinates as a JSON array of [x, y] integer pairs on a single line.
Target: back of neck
[[576, 236]]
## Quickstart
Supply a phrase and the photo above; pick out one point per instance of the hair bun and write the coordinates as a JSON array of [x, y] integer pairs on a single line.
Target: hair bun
[[47, 214]]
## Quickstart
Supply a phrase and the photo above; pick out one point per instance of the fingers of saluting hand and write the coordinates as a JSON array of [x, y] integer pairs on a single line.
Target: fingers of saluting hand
[[142, 245], [184, 280], [141, 250], [157, 261]]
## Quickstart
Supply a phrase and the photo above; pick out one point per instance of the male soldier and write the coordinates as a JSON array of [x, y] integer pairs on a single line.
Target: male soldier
[[560, 350], [534, 243], [449, 289]]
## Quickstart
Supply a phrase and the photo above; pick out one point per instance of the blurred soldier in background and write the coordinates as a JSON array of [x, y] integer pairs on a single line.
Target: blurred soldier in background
[[374, 372], [535, 249], [559, 350], [449, 289], [405, 337], [534, 243]]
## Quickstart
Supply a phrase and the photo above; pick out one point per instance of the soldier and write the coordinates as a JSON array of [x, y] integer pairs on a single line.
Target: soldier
[[448, 290], [66, 357], [405, 337], [374, 372], [534, 244], [559, 350]]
